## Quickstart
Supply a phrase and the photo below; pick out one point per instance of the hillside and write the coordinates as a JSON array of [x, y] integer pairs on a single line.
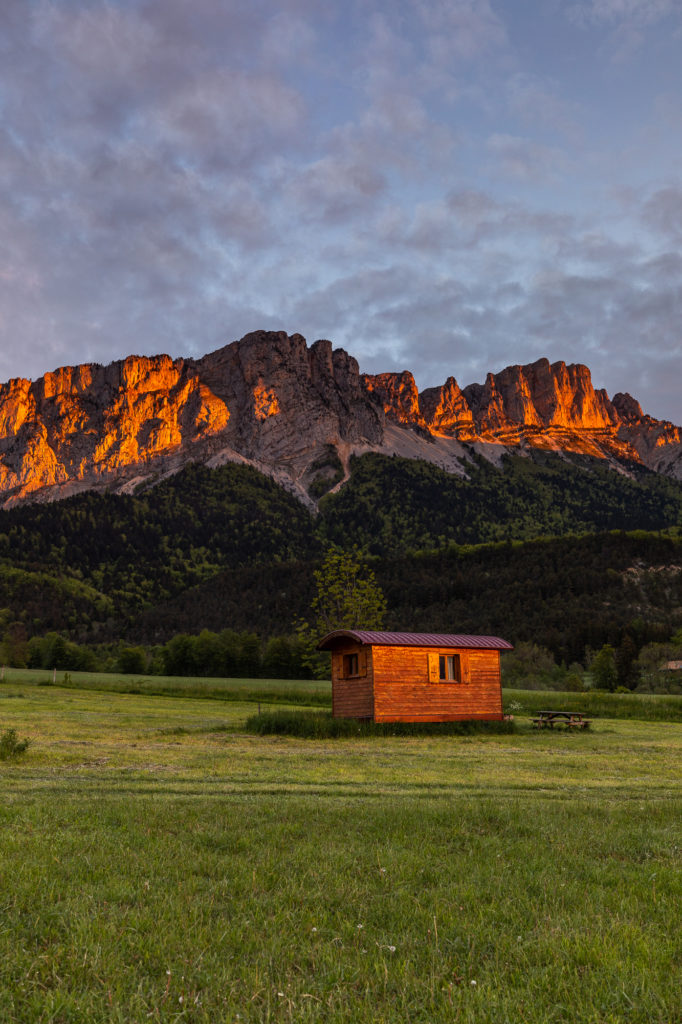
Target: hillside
[[228, 548]]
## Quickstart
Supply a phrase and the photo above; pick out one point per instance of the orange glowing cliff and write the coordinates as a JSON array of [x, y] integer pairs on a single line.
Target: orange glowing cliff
[[275, 403]]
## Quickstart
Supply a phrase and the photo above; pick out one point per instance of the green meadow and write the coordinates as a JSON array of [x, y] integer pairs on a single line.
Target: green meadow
[[159, 863]]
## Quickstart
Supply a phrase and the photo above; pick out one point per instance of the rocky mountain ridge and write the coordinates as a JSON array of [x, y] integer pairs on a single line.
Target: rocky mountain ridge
[[298, 413]]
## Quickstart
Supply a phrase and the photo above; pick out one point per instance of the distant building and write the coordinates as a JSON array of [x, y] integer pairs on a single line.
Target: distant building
[[415, 677]]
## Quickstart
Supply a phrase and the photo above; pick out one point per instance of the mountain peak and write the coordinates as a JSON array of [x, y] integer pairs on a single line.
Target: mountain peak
[[271, 400]]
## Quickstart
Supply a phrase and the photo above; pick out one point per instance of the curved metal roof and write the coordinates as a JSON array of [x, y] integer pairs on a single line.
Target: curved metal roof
[[380, 639]]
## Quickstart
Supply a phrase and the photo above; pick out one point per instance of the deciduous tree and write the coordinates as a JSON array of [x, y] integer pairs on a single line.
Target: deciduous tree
[[347, 596]]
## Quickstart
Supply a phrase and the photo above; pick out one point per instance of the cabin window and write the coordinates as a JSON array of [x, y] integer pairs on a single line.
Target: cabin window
[[449, 668], [351, 665]]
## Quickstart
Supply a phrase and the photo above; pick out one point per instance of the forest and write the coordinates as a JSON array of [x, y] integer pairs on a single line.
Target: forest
[[560, 553]]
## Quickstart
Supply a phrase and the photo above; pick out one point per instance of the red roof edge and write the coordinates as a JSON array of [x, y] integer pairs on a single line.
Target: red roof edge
[[377, 638]]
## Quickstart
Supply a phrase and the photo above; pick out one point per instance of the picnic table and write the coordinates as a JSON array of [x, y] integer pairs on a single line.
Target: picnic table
[[569, 719]]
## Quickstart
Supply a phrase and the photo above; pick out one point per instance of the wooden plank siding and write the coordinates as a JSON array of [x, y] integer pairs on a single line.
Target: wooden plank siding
[[403, 691], [354, 697]]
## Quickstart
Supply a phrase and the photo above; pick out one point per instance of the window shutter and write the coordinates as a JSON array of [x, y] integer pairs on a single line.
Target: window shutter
[[433, 666], [362, 663], [466, 667]]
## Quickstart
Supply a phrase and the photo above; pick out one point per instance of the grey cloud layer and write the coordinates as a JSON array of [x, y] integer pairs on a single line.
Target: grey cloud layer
[[397, 177]]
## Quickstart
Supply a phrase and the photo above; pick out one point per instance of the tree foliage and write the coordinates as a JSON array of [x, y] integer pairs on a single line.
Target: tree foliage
[[347, 596], [604, 670]]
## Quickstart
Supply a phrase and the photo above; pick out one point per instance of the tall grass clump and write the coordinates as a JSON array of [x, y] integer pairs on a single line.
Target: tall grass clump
[[645, 707], [322, 725], [11, 745]]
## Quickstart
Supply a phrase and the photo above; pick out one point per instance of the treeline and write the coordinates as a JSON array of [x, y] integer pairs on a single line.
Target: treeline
[[227, 654], [111, 555], [570, 595]]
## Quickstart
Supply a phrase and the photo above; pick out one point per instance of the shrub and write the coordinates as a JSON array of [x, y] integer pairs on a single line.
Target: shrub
[[10, 745], [322, 725]]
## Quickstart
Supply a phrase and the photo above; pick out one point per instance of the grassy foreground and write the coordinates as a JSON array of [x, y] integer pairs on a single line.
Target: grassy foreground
[[159, 864]]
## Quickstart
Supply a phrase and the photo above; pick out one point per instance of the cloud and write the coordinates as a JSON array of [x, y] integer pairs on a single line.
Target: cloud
[[630, 24], [662, 212], [524, 159], [469, 221], [538, 102], [637, 12], [460, 29], [406, 179], [335, 190], [227, 119]]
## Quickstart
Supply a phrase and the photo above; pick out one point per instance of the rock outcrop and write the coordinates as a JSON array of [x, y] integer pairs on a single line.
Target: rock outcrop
[[267, 398], [447, 412], [540, 395], [278, 404], [397, 395]]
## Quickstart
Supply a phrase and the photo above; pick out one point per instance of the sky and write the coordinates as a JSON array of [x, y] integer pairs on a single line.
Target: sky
[[445, 186]]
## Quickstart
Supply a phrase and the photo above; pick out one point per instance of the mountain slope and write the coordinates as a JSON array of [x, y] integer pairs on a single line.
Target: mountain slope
[[225, 546], [563, 593]]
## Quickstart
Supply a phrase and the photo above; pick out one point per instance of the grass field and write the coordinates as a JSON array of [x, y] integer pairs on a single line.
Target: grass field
[[319, 693], [159, 864], [276, 691]]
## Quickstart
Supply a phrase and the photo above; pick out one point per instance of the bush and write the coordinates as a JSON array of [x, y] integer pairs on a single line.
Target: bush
[[132, 660], [10, 745], [322, 725]]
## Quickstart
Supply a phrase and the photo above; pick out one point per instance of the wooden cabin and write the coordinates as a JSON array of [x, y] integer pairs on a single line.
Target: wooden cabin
[[415, 677]]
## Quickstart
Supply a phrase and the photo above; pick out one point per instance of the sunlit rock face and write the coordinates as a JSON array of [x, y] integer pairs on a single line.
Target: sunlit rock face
[[267, 398], [628, 409], [540, 395], [397, 394], [446, 411], [278, 404], [89, 423]]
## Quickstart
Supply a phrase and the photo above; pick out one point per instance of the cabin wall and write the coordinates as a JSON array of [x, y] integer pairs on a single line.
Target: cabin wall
[[354, 697], [403, 692]]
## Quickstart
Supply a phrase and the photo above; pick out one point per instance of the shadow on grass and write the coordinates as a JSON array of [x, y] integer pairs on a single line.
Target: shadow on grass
[[321, 725]]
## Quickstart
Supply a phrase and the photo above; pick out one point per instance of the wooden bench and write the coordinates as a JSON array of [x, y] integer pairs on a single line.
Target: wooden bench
[[569, 719]]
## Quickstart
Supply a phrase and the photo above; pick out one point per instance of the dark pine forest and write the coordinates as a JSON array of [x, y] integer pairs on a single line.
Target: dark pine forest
[[564, 554]]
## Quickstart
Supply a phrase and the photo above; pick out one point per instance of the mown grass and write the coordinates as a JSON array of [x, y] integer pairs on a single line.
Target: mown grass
[[157, 863]]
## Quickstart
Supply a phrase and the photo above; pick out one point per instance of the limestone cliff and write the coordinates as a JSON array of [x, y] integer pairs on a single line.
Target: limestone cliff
[[540, 405], [447, 412], [271, 400], [268, 399]]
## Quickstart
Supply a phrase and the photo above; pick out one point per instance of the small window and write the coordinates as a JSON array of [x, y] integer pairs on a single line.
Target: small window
[[449, 668], [351, 666]]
